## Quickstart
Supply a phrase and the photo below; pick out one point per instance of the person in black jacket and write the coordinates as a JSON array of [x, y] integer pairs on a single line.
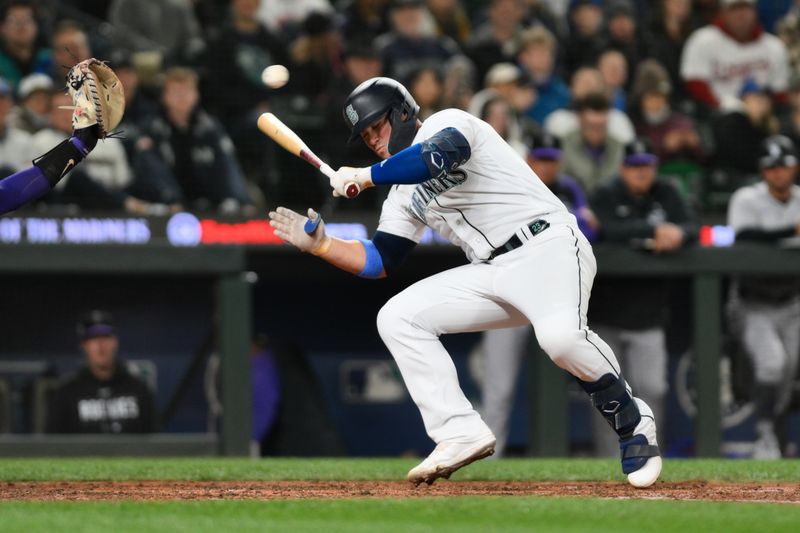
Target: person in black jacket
[[103, 397], [185, 158], [637, 209]]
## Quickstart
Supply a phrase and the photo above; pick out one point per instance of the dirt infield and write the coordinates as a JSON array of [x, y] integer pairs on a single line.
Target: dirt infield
[[290, 490]]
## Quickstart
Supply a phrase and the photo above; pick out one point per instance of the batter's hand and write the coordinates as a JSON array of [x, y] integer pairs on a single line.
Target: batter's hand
[[306, 233], [346, 175]]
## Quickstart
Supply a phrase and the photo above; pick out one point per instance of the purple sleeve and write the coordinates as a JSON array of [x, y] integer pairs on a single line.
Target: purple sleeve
[[22, 187], [579, 202], [266, 393]]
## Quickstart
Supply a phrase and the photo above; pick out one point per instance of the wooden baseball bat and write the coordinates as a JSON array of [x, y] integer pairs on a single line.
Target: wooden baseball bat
[[282, 134]]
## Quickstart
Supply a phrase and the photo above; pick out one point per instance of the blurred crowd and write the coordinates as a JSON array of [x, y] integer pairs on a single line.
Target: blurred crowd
[[703, 81]]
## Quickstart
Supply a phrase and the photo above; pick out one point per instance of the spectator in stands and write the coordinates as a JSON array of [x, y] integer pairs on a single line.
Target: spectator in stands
[[235, 92], [15, 144], [769, 308], [736, 132], [639, 210], [545, 159], [103, 180], [166, 27], [670, 26], [315, 57], [586, 81], [614, 68], [501, 104], [285, 18], [20, 53], [504, 349], [586, 39], [32, 112], [507, 80], [459, 83], [673, 135], [364, 20], [185, 155], [496, 40], [537, 56], [790, 121], [495, 109], [425, 85], [103, 397], [407, 48], [720, 57], [788, 30], [591, 155], [450, 19], [622, 32], [70, 45]]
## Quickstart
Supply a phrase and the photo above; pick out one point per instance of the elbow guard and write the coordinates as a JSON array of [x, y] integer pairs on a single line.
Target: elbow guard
[[445, 152], [432, 158]]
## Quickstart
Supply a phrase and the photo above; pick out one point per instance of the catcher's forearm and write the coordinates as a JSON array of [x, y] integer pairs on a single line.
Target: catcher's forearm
[[34, 182], [22, 187], [66, 155], [350, 256]]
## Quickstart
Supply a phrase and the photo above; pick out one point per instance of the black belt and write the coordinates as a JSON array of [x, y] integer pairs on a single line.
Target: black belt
[[536, 227]]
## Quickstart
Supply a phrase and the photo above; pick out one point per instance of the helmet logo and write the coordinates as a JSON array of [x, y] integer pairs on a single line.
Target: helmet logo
[[352, 116]]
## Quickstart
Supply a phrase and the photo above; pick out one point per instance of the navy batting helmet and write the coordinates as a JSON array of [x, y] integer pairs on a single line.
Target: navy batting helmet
[[379, 97], [777, 151]]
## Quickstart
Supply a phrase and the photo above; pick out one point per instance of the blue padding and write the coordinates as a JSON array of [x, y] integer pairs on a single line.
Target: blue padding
[[404, 167], [373, 267]]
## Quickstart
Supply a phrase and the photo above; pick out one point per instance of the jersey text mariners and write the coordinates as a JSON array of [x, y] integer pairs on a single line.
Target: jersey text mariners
[[479, 205]]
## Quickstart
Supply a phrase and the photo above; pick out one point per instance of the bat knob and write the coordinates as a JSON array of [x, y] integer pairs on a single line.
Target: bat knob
[[352, 190]]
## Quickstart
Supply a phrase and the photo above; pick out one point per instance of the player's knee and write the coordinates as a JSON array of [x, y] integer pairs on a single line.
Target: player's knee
[[559, 344], [390, 319]]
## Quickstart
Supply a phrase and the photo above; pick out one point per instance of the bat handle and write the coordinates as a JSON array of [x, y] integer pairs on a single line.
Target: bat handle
[[351, 190]]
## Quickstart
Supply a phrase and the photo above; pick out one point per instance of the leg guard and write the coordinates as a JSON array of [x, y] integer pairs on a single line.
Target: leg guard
[[610, 396]]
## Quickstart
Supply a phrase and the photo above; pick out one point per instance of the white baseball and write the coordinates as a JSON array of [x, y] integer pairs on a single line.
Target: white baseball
[[275, 76]]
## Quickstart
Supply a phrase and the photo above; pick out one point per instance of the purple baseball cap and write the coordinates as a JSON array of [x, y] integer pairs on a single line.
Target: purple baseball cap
[[545, 146], [96, 323], [638, 153]]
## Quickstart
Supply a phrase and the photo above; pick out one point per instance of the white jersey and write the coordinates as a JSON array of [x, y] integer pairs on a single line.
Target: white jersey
[[753, 207], [481, 204], [716, 58]]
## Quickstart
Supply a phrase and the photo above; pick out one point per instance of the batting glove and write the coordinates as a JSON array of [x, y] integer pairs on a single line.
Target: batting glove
[[306, 233], [345, 176]]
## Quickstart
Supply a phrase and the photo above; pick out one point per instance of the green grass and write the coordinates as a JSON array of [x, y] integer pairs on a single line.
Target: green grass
[[346, 469], [462, 514], [434, 515]]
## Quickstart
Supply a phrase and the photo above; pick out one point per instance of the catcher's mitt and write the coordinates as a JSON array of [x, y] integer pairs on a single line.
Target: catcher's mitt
[[97, 95]]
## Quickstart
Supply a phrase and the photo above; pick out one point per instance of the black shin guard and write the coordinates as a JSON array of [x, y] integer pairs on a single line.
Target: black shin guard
[[610, 396], [66, 155]]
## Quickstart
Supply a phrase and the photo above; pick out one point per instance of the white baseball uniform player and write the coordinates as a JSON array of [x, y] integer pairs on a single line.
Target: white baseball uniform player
[[529, 263]]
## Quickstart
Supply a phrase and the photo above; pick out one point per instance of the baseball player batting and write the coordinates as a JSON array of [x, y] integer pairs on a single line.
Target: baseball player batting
[[529, 263]]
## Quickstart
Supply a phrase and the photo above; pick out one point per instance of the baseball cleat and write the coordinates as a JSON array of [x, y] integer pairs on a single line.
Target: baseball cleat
[[448, 457], [641, 458]]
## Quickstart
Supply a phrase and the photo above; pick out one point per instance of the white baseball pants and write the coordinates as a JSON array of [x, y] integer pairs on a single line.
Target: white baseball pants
[[546, 282]]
